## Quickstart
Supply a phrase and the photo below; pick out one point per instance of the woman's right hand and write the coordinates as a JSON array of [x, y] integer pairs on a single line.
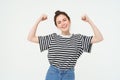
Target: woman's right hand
[[42, 18]]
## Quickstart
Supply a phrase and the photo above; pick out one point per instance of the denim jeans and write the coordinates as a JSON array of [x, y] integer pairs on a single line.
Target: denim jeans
[[58, 74]]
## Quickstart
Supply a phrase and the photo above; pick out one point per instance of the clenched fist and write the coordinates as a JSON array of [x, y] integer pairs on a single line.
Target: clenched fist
[[85, 18], [43, 17]]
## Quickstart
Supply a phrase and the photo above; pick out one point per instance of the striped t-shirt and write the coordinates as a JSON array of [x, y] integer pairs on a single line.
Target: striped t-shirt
[[63, 52]]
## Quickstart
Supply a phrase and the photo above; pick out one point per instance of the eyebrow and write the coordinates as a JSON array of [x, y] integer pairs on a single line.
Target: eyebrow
[[62, 19]]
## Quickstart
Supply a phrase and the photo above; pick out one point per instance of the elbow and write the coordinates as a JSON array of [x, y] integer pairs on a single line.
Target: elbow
[[100, 39], [28, 38], [96, 39], [33, 39]]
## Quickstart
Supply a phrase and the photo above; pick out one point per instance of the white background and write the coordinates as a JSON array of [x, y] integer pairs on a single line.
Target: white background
[[22, 60]]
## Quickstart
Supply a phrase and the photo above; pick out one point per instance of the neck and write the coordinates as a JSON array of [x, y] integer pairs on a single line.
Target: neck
[[65, 33]]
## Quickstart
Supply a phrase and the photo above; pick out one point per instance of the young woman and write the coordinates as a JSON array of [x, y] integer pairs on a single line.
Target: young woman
[[66, 48]]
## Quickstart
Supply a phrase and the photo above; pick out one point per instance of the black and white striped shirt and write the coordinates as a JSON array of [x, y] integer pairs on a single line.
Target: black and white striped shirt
[[63, 52]]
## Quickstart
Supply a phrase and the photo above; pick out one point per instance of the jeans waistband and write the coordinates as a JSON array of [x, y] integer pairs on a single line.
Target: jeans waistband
[[61, 70]]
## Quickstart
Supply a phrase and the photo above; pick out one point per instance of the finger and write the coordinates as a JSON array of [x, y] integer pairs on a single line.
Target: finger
[[45, 17], [83, 18]]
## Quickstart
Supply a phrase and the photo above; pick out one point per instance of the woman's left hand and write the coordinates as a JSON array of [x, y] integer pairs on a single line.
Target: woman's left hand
[[85, 18]]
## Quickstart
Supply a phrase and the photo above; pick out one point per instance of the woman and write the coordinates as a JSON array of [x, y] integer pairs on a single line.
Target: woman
[[66, 48]]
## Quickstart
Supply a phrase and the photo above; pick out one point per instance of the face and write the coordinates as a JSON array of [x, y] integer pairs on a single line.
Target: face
[[63, 23]]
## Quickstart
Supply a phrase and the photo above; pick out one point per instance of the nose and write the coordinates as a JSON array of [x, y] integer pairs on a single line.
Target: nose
[[63, 23]]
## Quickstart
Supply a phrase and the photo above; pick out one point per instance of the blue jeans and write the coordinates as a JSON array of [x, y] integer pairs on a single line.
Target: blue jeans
[[58, 74]]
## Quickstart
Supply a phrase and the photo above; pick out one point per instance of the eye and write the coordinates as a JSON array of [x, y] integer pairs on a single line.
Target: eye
[[64, 19], [58, 22]]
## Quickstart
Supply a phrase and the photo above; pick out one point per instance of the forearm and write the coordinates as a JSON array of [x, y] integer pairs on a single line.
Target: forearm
[[97, 34]]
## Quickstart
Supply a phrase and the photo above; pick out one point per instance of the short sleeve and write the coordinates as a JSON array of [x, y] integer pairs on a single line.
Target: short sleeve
[[86, 43], [44, 41]]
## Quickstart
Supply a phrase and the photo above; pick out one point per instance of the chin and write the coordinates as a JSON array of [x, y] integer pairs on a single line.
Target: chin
[[65, 30]]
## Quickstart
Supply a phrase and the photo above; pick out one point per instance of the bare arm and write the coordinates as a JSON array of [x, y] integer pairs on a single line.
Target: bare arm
[[97, 34], [32, 34]]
